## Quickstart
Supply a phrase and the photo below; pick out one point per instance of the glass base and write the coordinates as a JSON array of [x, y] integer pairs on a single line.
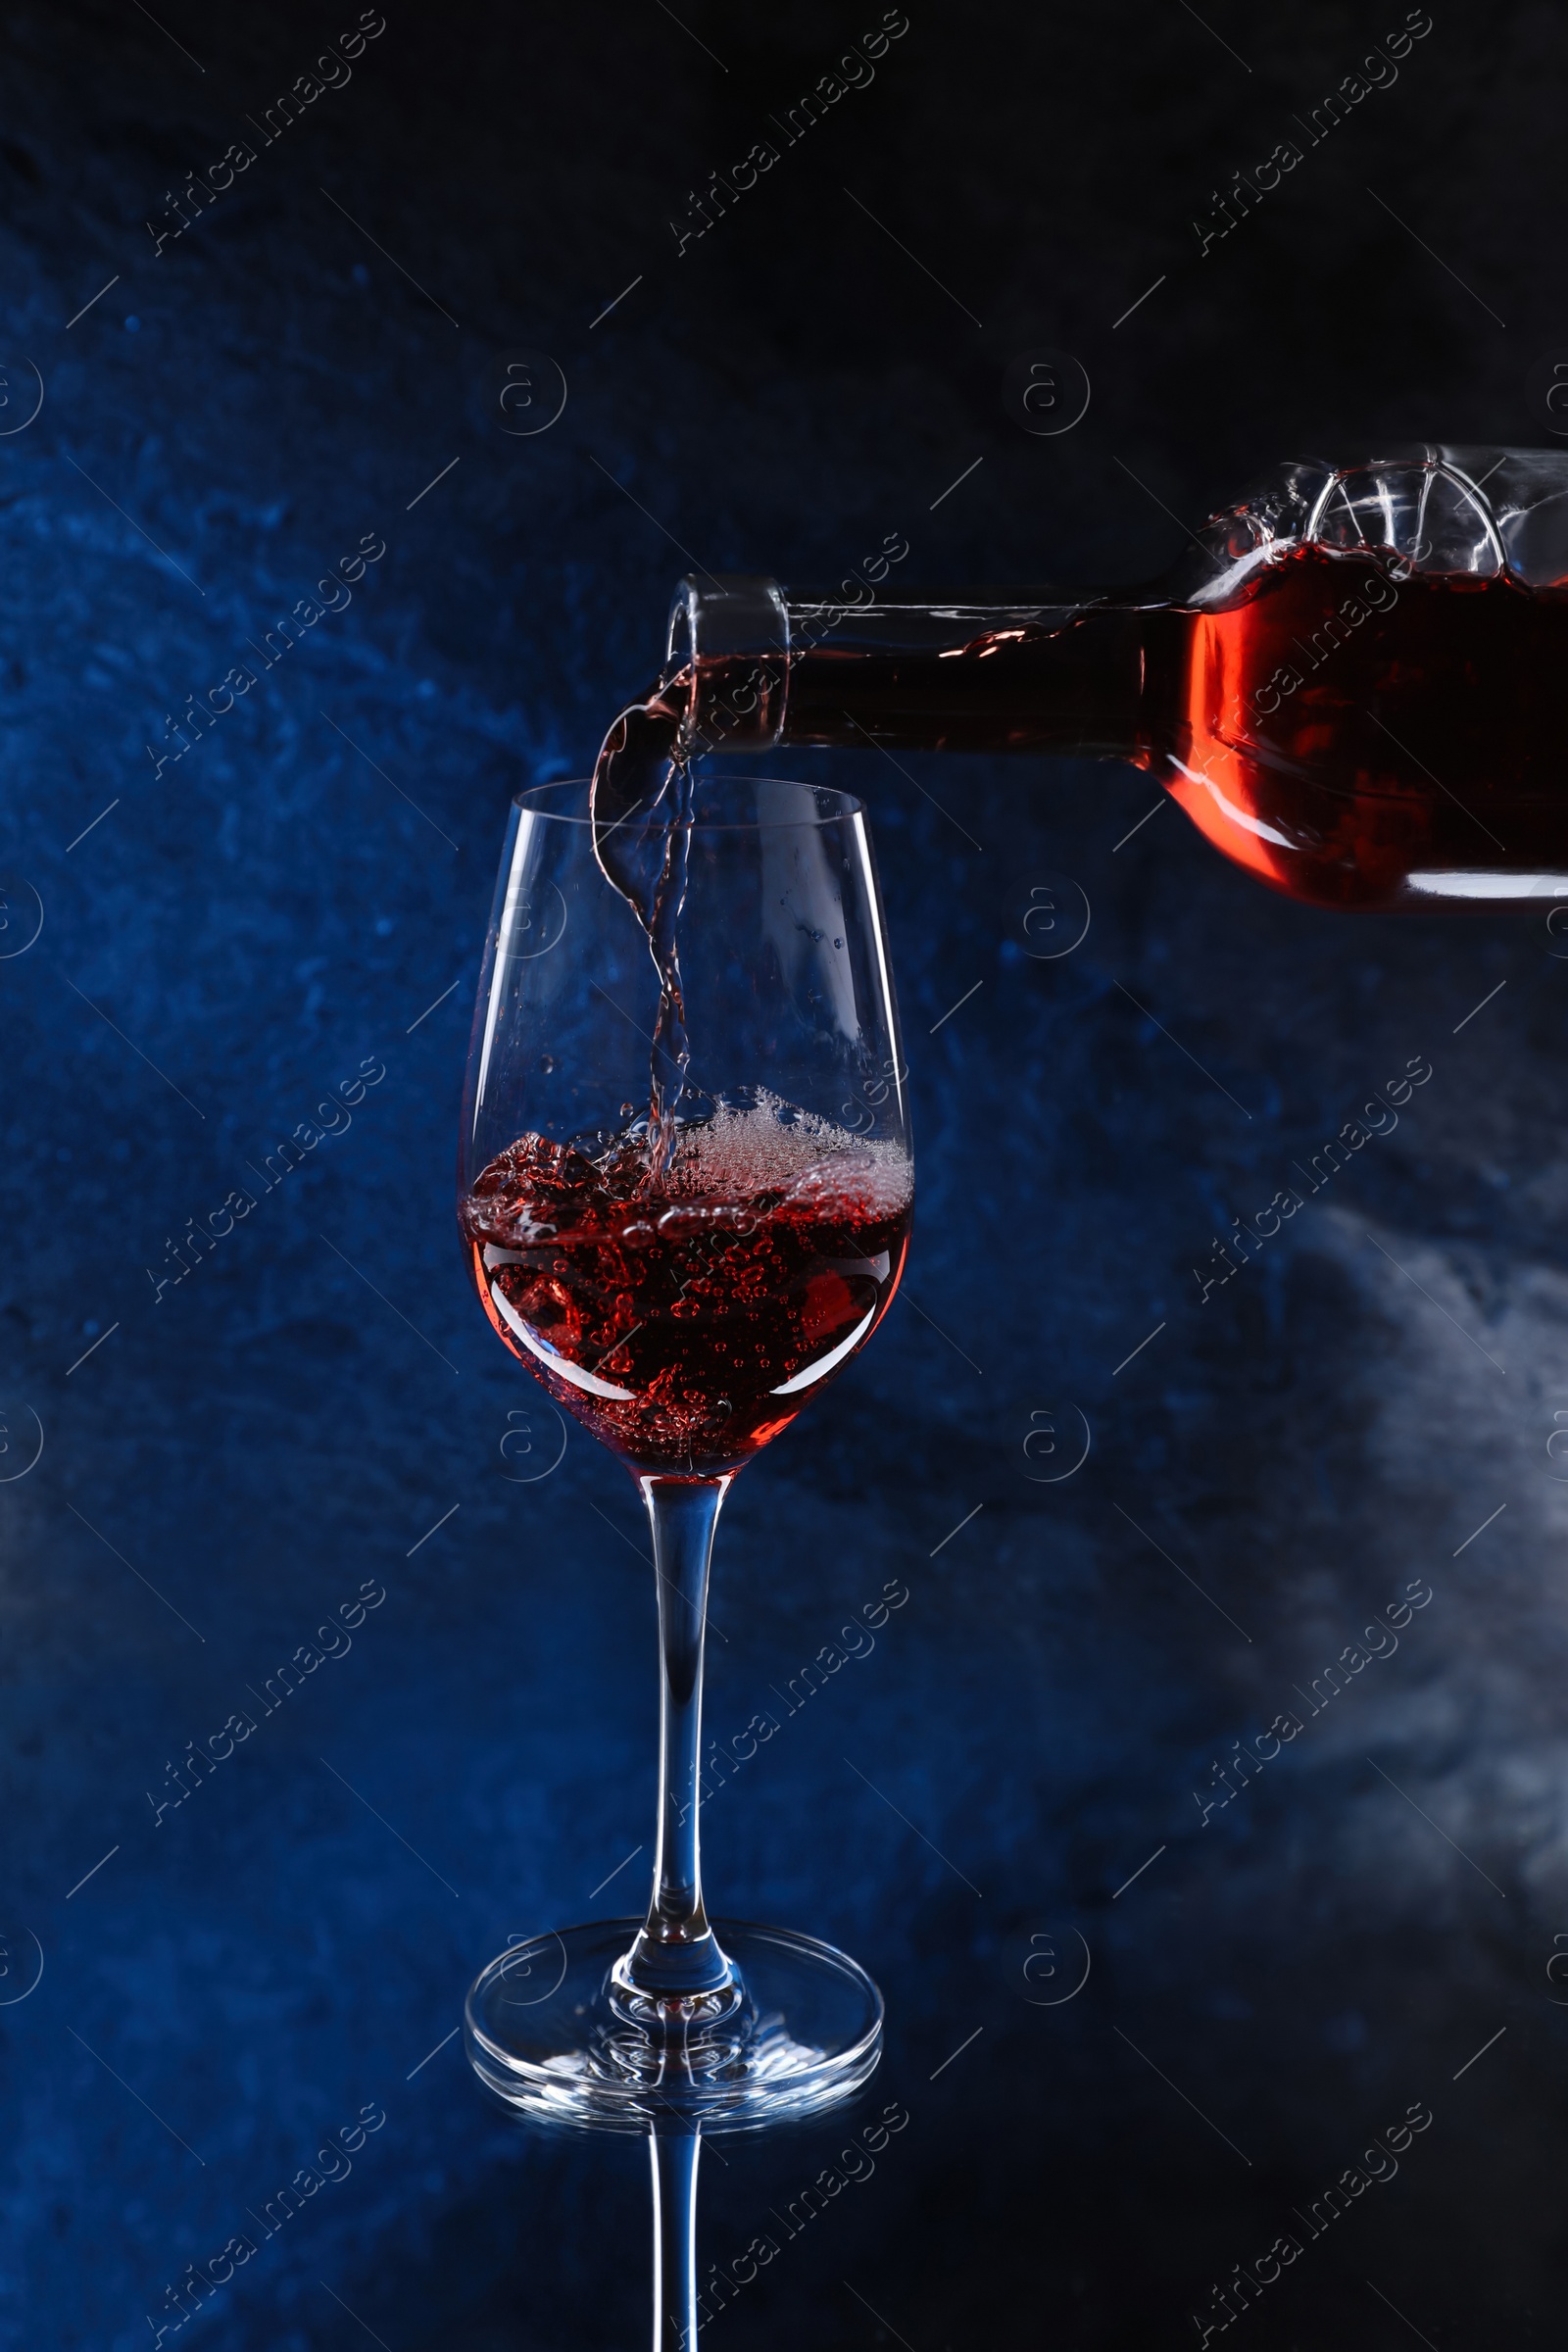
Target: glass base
[[553, 2029]]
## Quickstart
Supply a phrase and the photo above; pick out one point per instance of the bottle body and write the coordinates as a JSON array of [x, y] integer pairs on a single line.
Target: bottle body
[[1351, 684], [1357, 738]]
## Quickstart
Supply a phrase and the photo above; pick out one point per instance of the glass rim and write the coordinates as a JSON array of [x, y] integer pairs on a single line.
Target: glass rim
[[530, 801]]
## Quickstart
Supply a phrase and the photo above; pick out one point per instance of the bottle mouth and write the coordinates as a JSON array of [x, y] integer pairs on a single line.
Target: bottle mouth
[[729, 641], [733, 614]]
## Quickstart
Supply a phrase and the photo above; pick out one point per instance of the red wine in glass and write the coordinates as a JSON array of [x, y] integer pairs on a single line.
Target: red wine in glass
[[685, 1317]]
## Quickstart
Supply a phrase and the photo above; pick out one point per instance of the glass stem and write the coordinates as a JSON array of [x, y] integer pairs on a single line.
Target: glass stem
[[674, 2155], [676, 1954]]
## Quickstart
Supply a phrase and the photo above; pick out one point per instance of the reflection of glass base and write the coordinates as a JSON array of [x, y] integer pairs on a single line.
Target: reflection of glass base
[[549, 2030]]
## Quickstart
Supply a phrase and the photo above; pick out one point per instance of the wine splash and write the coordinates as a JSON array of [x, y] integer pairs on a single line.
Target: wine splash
[[639, 807]]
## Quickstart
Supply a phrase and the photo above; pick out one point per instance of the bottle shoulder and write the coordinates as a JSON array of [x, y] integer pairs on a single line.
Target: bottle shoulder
[[1440, 511]]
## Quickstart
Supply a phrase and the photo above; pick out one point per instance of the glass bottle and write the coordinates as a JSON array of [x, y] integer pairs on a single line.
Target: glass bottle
[[1351, 681]]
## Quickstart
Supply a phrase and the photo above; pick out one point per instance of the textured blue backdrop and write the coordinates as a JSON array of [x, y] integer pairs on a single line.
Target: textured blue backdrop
[[318, 1407]]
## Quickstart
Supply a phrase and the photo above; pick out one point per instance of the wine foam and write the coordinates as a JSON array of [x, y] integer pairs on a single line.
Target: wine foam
[[770, 1147]]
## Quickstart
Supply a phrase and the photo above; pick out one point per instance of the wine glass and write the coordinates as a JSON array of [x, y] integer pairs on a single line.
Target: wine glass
[[686, 1189]]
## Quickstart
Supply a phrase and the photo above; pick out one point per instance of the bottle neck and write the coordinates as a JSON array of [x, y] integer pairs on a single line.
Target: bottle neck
[[984, 671], [970, 673]]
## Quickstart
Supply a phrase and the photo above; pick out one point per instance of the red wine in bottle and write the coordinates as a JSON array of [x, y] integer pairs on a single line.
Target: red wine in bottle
[[685, 1314], [1351, 685]]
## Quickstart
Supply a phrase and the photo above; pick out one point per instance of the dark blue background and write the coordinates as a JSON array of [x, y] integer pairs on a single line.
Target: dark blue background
[[235, 936]]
